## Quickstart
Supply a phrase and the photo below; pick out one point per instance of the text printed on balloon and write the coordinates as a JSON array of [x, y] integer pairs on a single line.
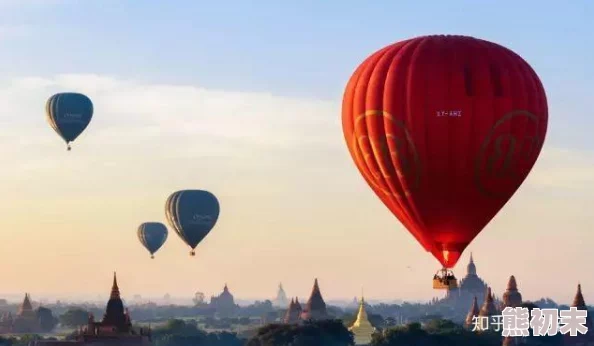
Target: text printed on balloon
[[449, 113]]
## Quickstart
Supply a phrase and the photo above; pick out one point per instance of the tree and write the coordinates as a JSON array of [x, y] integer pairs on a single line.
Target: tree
[[47, 320], [74, 317], [435, 333], [198, 298], [311, 333]]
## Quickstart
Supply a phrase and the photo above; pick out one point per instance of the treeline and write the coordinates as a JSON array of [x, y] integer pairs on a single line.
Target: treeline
[[438, 332]]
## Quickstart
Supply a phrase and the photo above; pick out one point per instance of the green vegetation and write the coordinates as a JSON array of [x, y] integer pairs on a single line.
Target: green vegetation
[[186, 333]]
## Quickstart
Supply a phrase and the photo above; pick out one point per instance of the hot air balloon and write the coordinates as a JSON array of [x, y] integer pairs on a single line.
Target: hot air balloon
[[152, 236], [69, 114], [192, 214], [444, 129]]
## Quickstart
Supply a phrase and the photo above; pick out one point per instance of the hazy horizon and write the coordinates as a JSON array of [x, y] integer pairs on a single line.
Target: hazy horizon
[[249, 108]]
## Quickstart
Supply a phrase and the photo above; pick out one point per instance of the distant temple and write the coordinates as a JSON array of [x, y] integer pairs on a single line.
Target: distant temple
[[470, 286], [25, 321], [512, 298], [293, 314], [224, 304], [362, 328], [471, 319], [489, 309], [114, 329], [315, 309], [281, 300], [581, 339]]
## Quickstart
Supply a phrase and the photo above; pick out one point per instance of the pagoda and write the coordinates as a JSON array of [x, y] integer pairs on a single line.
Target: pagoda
[[224, 303], [581, 339], [293, 314], [471, 318], [362, 328], [512, 297], [315, 309], [114, 329], [488, 309], [281, 297]]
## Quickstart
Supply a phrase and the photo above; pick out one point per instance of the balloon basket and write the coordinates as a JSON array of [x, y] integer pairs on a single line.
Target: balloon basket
[[444, 279], [192, 253], [152, 257]]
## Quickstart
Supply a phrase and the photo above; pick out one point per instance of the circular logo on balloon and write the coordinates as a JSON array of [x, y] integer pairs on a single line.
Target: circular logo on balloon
[[385, 153], [508, 153]]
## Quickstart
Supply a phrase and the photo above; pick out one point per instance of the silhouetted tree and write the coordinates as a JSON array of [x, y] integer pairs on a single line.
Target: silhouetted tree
[[434, 333], [311, 333], [47, 321], [186, 333], [74, 317]]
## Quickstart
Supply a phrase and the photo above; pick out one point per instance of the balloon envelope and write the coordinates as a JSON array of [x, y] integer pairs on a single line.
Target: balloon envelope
[[152, 235], [69, 114], [192, 214], [444, 129]]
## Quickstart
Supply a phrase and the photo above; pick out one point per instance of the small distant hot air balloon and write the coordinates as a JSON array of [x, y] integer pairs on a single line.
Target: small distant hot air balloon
[[192, 214], [69, 114], [152, 235], [444, 129]]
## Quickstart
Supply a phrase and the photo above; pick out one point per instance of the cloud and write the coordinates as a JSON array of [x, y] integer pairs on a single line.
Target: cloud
[[135, 119], [562, 168], [134, 122], [279, 164]]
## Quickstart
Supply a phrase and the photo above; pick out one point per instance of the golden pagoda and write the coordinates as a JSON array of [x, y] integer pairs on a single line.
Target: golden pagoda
[[362, 328]]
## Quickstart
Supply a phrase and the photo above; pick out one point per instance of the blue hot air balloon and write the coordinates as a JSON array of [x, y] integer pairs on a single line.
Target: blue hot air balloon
[[192, 214], [69, 114], [152, 235]]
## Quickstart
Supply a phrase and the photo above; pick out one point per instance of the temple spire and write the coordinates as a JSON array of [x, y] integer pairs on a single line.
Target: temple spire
[[512, 297], [578, 300], [362, 329], [315, 309], [474, 312], [115, 290], [471, 267]]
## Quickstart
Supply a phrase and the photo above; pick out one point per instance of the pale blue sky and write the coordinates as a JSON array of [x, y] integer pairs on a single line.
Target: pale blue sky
[[142, 61], [305, 48]]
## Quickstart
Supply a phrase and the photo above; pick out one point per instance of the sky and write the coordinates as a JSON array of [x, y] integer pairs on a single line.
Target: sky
[[243, 99]]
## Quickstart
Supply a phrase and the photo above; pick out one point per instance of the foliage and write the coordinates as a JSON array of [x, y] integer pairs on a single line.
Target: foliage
[[199, 299], [74, 317], [440, 332], [47, 320], [23, 340], [186, 333], [319, 333], [434, 333]]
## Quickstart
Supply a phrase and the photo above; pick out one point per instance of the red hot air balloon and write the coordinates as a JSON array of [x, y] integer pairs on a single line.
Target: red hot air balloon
[[444, 129]]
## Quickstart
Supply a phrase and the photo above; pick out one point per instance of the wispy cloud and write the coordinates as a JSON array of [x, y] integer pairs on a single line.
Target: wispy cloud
[[280, 165], [188, 120], [562, 168]]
